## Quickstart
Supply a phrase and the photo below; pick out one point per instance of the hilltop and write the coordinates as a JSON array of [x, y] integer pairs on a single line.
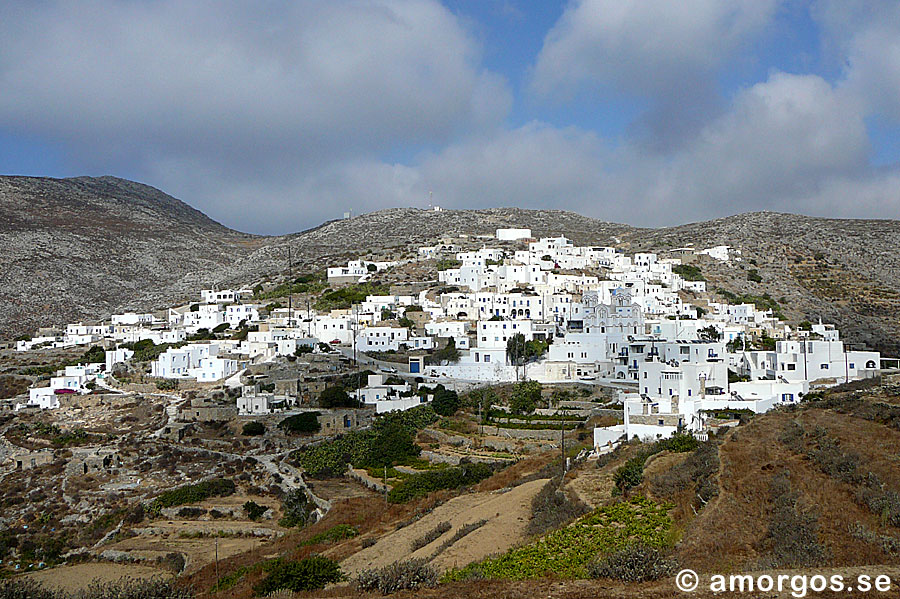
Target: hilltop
[[82, 248]]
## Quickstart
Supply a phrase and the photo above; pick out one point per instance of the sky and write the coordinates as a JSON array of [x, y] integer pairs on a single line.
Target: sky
[[272, 117]]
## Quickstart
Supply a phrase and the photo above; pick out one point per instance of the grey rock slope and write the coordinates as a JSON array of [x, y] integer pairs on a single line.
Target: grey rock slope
[[82, 248], [79, 248]]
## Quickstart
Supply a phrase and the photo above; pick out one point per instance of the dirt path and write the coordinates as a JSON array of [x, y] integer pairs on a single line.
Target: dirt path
[[507, 516]]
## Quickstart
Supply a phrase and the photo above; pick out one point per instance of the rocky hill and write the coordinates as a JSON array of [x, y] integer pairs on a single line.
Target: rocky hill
[[81, 248]]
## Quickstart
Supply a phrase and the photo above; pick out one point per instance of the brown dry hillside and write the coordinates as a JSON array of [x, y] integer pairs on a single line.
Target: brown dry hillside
[[813, 489]]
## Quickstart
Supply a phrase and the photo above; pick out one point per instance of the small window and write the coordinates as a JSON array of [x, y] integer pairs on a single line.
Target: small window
[[824, 366]]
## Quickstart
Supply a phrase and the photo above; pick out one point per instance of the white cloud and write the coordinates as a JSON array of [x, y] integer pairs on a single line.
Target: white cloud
[[644, 47], [865, 37], [243, 84]]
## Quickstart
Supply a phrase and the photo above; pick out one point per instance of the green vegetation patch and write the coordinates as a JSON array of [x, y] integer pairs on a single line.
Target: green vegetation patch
[[418, 485], [216, 487], [568, 552], [338, 299], [389, 441], [688, 272], [334, 534]]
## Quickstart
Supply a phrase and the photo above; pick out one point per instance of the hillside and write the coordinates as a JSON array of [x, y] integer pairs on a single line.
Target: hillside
[[81, 248]]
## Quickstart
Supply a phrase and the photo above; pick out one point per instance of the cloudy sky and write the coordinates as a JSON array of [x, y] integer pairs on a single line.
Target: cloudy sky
[[274, 116]]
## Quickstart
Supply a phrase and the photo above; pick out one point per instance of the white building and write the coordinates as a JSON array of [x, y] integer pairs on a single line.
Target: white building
[[513, 234]]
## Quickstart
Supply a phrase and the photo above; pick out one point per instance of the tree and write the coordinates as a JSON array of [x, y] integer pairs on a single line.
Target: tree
[[515, 349], [709, 333], [448, 354], [251, 429], [445, 402], [525, 397], [560, 395], [306, 422], [392, 443], [336, 397], [308, 574], [253, 510], [371, 267]]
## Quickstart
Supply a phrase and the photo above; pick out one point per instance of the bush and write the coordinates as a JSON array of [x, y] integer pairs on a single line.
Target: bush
[[167, 385], [445, 402], [296, 507], [390, 438], [254, 511], [688, 272], [410, 574], [551, 508], [635, 563], [336, 397], [630, 474], [217, 487], [23, 588], [307, 574], [699, 471], [392, 443], [435, 480], [254, 428], [430, 536], [339, 532], [525, 397], [792, 540], [306, 422]]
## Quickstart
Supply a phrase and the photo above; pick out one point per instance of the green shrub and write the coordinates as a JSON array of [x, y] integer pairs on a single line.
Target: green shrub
[[217, 487], [445, 402], [308, 574], [430, 536], [253, 428], [336, 533], [630, 474], [296, 507], [688, 272], [410, 574], [525, 397], [167, 385], [336, 397], [254, 511], [306, 422], [567, 552], [435, 480], [637, 562], [351, 294], [390, 438]]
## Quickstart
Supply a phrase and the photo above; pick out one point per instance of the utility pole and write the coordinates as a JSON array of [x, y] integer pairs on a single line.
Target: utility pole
[[217, 561], [562, 436], [290, 287]]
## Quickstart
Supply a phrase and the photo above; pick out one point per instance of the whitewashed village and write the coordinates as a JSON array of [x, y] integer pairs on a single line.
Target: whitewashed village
[[545, 310], [438, 410]]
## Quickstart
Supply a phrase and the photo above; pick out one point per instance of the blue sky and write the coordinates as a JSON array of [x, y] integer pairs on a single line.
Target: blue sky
[[272, 117]]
